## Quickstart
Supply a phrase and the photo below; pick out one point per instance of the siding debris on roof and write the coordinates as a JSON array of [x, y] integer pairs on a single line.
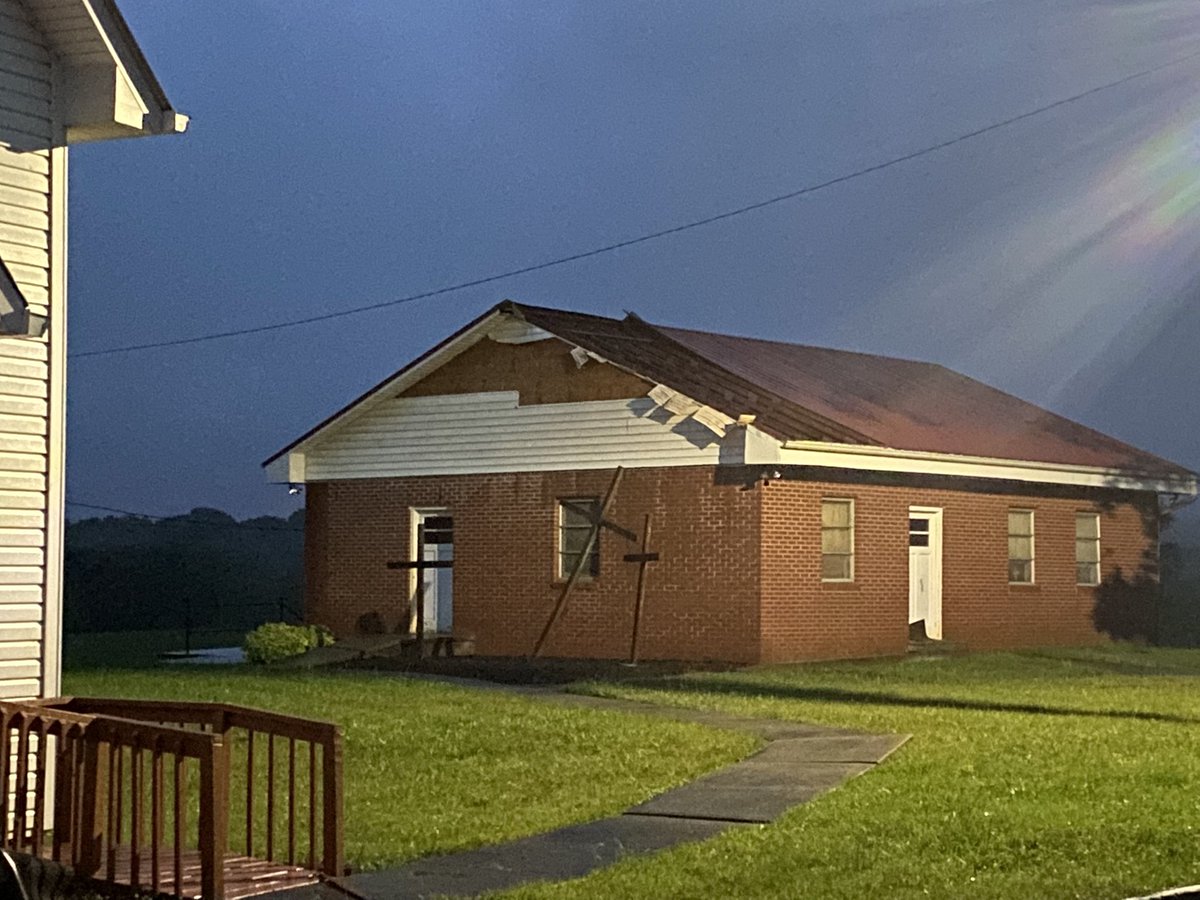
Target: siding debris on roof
[[793, 392], [799, 392]]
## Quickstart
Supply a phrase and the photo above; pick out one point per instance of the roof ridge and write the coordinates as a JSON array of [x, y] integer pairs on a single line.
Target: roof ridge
[[508, 305], [660, 327], [822, 398]]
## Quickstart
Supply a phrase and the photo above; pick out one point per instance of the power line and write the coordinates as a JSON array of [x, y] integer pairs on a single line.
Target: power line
[[113, 509], [649, 236], [154, 518]]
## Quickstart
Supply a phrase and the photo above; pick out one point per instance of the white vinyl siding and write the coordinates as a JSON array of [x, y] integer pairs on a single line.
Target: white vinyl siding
[[491, 432], [29, 432]]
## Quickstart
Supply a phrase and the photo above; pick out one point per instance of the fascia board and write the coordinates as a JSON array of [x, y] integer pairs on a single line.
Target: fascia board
[[115, 99], [396, 383], [883, 459]]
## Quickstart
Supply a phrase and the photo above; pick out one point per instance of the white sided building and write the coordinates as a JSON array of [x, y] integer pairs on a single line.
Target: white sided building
[[70, 72]]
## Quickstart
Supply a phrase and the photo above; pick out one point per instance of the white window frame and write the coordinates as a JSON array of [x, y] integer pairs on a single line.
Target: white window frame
[[852, 554], [559, 573], [1032, 544], [1096, 540]]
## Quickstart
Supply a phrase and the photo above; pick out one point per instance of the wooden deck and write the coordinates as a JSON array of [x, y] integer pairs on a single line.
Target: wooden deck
[[143, 794], [244, 876]]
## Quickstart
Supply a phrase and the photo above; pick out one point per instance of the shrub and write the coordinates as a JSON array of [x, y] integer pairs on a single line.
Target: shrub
[[277, 640]]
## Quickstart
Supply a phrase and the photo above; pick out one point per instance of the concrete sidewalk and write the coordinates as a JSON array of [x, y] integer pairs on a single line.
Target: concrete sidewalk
[[798, 763]]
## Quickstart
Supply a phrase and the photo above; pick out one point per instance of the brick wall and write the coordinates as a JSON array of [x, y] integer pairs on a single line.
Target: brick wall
[[701, 600], [802, 618], [739, 578], [542, 372]]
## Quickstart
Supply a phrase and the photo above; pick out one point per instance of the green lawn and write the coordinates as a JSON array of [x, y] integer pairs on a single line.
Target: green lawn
[[1052, 774], [433, 768], [135, 649], [1072, 773]]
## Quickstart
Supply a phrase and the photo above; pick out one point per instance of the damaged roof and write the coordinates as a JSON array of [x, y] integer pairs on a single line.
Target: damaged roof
[[800, 392]]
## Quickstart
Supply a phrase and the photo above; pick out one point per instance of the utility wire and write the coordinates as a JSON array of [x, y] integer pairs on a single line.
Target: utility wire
[[141, 515], [113, 509], [649, 236]]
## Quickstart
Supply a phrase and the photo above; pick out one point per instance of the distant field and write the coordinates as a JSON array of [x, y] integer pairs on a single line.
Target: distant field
[[1179, 624], [134, 649]]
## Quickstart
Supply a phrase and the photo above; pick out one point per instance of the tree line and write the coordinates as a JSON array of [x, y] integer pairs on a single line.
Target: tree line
[[133, 573], [1179, 623]]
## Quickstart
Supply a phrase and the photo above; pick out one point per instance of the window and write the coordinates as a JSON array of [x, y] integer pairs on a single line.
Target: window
[[918, 532], [1087, 548], [837, 540], [575, 519], [1020, 546], [438, 529]]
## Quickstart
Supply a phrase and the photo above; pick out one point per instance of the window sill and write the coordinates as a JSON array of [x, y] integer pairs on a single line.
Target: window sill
[[839, 585], [1024, 586]]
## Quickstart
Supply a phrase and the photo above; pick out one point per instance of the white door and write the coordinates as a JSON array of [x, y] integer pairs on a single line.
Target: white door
[[437, 587], [925, 569]]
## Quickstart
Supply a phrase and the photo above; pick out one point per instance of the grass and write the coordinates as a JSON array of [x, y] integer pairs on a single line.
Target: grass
[[135, 649], [1041, 774], [433, 768]]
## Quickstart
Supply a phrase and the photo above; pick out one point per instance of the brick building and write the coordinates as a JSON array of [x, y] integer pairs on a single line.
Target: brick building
[[803, 503]]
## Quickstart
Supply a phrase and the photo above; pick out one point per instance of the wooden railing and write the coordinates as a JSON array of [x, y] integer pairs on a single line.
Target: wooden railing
[[35, 736], [146, 792]]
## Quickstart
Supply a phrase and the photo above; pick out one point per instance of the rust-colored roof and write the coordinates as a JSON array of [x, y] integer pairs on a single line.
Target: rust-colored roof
[[814, 393], [645, 350]]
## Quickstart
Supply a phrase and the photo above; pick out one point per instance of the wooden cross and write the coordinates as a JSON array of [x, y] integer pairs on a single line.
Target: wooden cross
[[643, 559], [421, 566], [604, 523], [597, 523]]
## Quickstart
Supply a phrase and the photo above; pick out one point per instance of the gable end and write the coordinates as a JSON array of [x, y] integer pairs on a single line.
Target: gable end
[[544, 371]]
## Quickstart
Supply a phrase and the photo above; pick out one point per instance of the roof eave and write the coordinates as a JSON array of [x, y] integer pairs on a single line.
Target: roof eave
[[110, 90], [1177, 481], [870, 454], [466, 336], [162, 117]]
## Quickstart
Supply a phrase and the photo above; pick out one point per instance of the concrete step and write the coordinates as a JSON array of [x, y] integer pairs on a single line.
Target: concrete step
[[929, 647], [360, 647]]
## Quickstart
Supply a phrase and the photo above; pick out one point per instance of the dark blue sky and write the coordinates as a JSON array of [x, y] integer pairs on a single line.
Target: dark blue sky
[[344, 154]]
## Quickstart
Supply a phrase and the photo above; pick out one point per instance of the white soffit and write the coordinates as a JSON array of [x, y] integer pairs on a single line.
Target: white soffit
[[287, 469], [511, 330], [884, 459], [109, 89]]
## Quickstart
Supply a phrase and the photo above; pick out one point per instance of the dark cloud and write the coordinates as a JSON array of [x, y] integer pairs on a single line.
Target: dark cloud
[[345, 154]]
